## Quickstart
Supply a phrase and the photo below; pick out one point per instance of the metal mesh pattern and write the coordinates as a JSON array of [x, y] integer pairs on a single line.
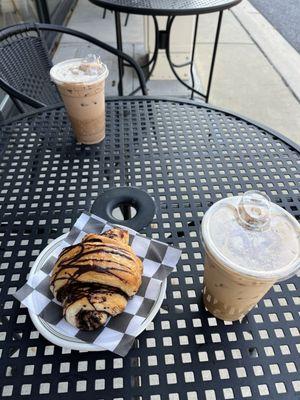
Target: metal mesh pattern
[[24, 64], [187, 157], [171, 6]]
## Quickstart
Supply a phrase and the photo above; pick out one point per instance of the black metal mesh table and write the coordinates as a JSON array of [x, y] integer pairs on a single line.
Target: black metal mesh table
[[186, 156], [166, 7], [171, 9]]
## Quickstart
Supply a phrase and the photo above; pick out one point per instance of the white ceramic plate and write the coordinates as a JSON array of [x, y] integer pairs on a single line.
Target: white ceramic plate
[[56, 337]]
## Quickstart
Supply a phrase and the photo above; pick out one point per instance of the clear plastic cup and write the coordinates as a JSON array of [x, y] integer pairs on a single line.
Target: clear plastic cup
[[81, 83], [250, 243]]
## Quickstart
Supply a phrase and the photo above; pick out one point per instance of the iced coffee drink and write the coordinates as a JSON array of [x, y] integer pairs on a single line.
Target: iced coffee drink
[[250, 243], [81, 83]]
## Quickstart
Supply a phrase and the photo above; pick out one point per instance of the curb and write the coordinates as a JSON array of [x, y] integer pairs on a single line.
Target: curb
[[284, 58]]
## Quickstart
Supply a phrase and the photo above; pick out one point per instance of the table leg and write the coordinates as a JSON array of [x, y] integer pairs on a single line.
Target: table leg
[[152, 62], [212, 65], [119, 47], [173, 65], [193, 56], [126, 211], [155, 52], [126, 20]]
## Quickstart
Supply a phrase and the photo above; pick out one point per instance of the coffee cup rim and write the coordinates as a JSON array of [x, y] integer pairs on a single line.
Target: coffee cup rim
[[282, 273], [103, 75]]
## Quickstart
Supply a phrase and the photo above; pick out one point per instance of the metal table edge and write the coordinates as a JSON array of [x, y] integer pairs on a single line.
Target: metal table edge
[[166, 12], [259, 125], [30, 113]]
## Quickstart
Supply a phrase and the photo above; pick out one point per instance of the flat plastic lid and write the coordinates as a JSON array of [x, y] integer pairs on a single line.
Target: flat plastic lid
[[79, 70], [251, 235]]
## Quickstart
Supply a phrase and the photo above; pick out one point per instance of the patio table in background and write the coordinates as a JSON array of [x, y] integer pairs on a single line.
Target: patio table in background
[[186, 156], [170, 9]]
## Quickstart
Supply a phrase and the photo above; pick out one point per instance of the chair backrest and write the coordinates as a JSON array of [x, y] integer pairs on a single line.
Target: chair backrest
[[25, 64]]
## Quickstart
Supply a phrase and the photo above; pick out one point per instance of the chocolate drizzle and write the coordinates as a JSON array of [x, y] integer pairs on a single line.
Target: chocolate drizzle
[[76, 291], [89, 320], [94, 294], [77, 278], [84, 264]]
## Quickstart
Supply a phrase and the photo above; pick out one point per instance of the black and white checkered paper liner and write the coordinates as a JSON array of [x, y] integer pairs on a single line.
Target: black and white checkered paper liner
[[118, 335]]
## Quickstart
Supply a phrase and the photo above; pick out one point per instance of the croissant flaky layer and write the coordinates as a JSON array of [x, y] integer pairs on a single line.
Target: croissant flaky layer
[[93, 279]]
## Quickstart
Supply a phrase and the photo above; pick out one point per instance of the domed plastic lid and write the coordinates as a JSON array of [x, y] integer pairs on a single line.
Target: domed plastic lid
[[253, 236], [79, 70]]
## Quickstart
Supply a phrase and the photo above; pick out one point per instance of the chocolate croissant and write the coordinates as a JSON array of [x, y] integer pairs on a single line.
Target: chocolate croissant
[[94, 279]]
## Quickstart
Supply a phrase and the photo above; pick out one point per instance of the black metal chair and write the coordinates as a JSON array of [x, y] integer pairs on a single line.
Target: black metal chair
[[25, 64]]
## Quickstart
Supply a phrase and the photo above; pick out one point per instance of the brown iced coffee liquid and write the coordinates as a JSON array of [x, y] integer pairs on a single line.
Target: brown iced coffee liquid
[[229, 295], [85, 104]]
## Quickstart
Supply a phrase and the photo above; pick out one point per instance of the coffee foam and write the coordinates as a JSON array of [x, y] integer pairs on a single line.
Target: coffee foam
[[78, 71]]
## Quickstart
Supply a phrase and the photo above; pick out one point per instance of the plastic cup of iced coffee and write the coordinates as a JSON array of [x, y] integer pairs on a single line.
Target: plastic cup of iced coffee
[[250, 243], [81, 84]]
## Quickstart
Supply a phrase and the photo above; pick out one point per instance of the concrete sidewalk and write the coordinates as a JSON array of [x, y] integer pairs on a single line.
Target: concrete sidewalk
[[247, 78], [256, 73]]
